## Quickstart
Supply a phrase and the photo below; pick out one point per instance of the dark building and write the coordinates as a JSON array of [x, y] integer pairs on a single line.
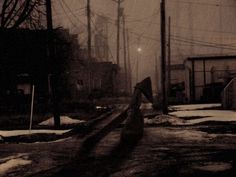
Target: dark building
[[25, 61], [208, 75]]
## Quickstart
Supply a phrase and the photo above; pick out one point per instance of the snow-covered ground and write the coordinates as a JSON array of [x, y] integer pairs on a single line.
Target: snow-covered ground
[[65, 120], [49, 122], [186, 135], [194, 107], [164, 119], [27, 132], [206, 115], [194, 114], [213, 166], [12, 162], [202, 113]]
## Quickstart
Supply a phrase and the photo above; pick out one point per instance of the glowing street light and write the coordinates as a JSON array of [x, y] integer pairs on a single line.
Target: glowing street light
[[139, 49]]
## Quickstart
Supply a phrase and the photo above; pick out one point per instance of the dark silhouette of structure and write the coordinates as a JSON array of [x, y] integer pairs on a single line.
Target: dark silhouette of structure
[[133, 129]]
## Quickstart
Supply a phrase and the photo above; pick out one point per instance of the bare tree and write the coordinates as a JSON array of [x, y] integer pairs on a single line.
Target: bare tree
[[23, 14]]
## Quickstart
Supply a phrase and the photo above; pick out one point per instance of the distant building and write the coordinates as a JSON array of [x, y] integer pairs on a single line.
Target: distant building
[[202, 78], [96, 80], [177, 84], [101, 39], [209, 75]]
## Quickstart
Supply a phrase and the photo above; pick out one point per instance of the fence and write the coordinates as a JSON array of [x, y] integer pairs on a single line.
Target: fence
[[228, 96]]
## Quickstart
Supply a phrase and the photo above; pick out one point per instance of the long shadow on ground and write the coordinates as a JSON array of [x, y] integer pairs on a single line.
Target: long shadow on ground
[[87, 165]]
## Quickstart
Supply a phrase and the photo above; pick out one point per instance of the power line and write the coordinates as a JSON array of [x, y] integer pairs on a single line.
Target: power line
[[193, 42], [67, 6], [202, 3], [75, 25], [144, 36], [58, 15], [186, 28], [199, 41], [144, 18], [202, 44]]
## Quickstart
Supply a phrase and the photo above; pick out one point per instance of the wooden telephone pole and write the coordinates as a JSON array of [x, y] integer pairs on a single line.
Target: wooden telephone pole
[[89, 29], [118, 30], [169, 58], [129, 64], [89, 41], [125, 53], [163, 58], [54, 80]]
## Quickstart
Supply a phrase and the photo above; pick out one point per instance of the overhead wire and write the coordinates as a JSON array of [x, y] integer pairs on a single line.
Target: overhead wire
[[72, 13], [201, 3], [193, 42], [200, 41], [68, 17]]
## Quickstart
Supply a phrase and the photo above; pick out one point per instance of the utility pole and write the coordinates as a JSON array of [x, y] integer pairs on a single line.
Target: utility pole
[[55, 70], [125, 53], [118, 30], [163, 58], [89, 44], [138, 58], [169, 58], [89, 28], [137, 67], [156, 73], [129, 64]]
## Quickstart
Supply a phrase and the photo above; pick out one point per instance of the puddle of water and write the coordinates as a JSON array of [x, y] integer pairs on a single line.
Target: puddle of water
[[213, 167]]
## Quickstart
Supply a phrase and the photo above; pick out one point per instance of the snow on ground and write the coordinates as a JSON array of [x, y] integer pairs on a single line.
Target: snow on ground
[[146, 106], [164, 119], [191, 114], [213, 166], [207, 115], [11, 162], [194, 107], [191, 135], [27, 132], [184, 135], [65, 120]]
